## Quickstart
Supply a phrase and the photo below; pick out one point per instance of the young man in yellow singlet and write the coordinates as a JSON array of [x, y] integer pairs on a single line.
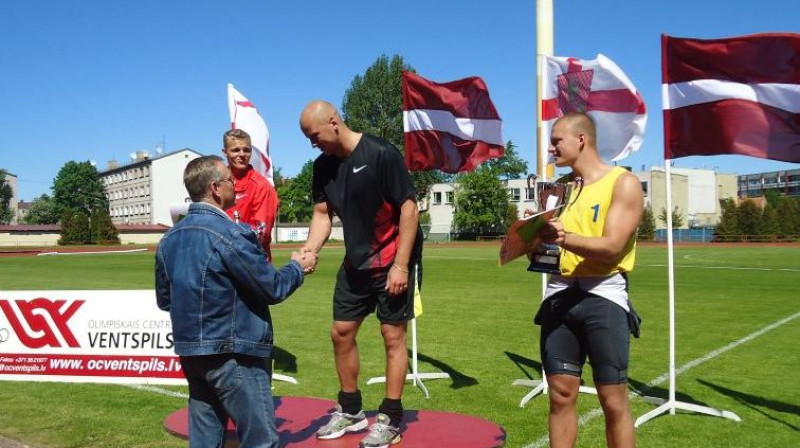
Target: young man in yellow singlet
[[586, 309]]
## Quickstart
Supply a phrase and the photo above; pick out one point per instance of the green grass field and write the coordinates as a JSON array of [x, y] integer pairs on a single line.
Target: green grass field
[[477, 326]]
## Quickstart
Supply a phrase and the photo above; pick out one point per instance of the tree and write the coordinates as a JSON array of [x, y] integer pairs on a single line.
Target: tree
[[510, 166], [677, 218], [78, 186], [374, 104], [511, 215], [42, 211], [749, 218], [481, 203], [295, 196], [277, 176], [728, 226], [773, 197], [74, 227], [6, 193], [647, 225], [788, 211], [103, 230], [769, 225]]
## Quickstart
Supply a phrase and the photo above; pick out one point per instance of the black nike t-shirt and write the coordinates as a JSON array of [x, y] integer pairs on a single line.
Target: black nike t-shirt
[[365, 190]]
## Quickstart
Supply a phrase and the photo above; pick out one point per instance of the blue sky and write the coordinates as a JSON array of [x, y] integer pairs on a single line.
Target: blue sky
[[97, 80]]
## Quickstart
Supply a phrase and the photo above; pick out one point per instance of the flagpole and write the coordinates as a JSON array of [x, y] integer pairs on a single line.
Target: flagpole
[[544, 46], [671, 404], [415, 376]]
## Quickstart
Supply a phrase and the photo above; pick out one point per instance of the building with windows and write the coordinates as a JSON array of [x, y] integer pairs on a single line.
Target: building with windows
[[440, 203], [22, 211], [784, 182], [11, 179], [141, 192], [695, 193]]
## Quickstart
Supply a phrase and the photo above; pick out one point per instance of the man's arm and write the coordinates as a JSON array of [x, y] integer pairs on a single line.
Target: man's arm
[[254, 274], [320, 228], [622, 219], [397, 281]]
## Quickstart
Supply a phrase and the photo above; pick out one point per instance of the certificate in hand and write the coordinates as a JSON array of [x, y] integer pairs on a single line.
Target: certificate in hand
[[178, 211], [521, 237]]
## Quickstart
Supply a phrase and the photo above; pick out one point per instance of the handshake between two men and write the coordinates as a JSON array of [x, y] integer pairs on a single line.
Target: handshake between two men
[[307, 258]]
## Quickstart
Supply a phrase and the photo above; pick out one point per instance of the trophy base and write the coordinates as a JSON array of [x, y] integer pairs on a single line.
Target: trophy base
[[545, 267], [548, 261]]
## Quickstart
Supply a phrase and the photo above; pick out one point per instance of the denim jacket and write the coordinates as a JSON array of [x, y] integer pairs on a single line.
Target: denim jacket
[[213, 278]]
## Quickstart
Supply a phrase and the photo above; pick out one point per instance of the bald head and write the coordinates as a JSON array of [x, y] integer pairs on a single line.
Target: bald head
[[322, 124], [579, 123], [319, 111]]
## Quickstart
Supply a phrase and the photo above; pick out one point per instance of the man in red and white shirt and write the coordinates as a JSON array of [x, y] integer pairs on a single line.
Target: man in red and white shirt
[[256, 198]]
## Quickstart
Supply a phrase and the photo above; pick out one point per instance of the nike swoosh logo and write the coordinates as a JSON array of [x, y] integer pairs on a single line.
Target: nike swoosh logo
[[355, 170], [239, 196]]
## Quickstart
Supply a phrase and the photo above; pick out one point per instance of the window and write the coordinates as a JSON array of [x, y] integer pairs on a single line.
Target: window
[[644, 187], [513, 194], [437, 198], [449, 197], [530, 194]]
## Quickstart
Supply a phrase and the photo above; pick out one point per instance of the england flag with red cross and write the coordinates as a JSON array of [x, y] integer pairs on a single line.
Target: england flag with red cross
[[601, 89]]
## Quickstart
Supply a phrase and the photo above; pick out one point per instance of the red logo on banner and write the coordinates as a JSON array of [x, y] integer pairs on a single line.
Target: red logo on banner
[[37, 314]]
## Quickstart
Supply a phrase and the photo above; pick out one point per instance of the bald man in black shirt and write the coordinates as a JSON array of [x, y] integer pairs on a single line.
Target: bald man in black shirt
[[363, 180]]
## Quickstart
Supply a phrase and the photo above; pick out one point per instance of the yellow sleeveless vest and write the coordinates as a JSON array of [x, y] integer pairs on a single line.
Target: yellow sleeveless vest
[[587, 217]]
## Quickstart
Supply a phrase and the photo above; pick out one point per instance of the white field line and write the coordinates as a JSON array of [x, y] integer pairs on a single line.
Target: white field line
[[158, 390], [93, 252], [597, 412], [733, 268]]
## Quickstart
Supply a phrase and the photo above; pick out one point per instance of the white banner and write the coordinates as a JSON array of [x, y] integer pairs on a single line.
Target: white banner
[[86, 336]]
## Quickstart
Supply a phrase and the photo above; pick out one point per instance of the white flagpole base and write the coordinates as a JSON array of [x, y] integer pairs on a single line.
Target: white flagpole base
[[540, 387], [671, 406], [286, 378], [416, 378]]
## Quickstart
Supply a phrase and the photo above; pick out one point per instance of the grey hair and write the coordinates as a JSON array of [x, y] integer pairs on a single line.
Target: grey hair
[[200, 173]]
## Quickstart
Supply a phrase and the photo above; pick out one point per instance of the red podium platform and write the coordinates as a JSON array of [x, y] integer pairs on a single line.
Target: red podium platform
[[298, 418]]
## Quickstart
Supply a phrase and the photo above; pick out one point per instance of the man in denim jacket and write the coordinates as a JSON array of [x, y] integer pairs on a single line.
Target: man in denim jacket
[[213, 278]]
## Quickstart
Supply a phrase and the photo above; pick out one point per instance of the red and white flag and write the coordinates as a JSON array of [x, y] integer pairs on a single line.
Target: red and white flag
[[244, 116], [452, 126], [602, 90], [739, 95]]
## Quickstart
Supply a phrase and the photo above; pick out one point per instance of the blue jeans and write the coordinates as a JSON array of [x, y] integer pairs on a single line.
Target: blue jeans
[[229, 385]]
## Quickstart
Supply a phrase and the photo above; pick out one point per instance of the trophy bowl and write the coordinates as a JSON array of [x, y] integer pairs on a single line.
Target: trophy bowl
[[552, 197]]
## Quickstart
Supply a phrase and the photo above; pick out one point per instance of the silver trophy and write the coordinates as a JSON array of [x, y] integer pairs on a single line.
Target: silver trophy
[[553, 198]]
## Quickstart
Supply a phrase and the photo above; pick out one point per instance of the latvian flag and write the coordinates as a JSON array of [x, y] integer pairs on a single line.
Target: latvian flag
[[738, 95], [451, 126]]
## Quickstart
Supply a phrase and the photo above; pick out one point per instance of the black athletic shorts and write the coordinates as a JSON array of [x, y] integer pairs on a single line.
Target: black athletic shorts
[[359, 293], [576, 324]]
